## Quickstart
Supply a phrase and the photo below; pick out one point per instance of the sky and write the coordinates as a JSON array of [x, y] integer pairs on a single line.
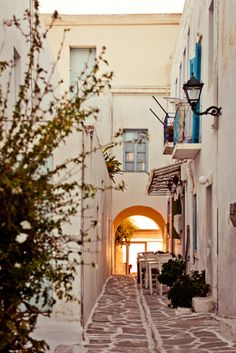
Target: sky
[[111, 6]]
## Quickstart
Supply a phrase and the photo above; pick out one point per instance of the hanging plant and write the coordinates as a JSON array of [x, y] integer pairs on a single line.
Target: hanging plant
[[125, 232]]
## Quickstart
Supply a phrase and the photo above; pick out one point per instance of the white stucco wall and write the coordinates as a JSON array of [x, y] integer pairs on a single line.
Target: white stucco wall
[[216, 158], [116, 33], [98, 242], [91, 224], [194, 28], [139, 50], [226, 157], [11, 38], [132, 111]]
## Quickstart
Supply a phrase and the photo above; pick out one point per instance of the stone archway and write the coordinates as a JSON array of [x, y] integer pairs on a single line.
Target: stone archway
[[142, 211], [139, 211]]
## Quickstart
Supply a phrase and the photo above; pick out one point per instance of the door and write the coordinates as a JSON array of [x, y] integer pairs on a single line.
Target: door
[[134, 249], [209, 234]]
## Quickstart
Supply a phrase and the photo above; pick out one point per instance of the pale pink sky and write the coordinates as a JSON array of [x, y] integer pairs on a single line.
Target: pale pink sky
[[112, 6]]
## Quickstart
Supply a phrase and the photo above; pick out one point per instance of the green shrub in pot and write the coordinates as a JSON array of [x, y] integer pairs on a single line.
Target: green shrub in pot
[[171, 271], [186, 287]]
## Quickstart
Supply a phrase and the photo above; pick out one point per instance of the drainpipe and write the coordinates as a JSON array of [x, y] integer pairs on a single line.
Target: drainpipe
[[111, 228], [217, 147], [82, 239], [190, 188]]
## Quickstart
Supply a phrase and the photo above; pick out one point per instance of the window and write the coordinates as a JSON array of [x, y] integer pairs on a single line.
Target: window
[[81, 60], [195, 68], [135, 150]]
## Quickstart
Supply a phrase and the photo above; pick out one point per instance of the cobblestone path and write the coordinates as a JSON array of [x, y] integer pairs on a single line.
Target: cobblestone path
[[127, 320]]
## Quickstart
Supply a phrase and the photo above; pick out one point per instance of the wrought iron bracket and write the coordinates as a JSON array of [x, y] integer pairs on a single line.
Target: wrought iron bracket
[[213, 110]]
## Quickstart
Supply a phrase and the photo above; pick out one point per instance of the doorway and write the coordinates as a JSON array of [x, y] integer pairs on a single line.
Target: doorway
[[144, 234], [134, 249], [209, 234]]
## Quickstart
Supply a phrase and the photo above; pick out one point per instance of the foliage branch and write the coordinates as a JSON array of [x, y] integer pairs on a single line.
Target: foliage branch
[[37, 201], [113, 165]]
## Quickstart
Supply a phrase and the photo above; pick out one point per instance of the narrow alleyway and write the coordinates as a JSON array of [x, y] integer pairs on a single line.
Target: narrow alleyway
[[126, 320]]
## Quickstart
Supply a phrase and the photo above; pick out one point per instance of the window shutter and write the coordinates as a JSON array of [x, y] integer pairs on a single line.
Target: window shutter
[[197, 73], [176, 128], [135, 150], [198, 61], [191, 67]]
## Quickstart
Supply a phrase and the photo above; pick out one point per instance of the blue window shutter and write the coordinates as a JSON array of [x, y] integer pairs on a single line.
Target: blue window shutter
[[197, 73], [191, 67], [198, 61], [176, 128]]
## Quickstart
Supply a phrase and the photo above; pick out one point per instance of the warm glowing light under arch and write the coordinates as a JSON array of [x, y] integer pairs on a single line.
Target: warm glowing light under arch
[[143, 222]]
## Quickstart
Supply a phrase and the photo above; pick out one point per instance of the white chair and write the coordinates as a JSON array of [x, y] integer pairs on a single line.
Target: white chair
[[154, 269], [141, 267], [162, 259], [142, 260]]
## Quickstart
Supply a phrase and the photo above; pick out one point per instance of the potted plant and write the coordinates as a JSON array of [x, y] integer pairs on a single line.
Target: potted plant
[[170, 133], [186, 287], [124, 232], [201, 302], [171, 271]]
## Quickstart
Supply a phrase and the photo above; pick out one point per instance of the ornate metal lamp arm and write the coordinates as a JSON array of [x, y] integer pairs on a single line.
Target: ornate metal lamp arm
[[213, 110]]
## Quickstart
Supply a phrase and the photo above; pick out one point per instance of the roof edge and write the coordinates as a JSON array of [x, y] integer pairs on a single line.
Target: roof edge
[[114, 19]]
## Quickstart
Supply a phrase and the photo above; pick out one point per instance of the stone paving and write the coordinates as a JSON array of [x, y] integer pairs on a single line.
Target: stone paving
[[127, 320]]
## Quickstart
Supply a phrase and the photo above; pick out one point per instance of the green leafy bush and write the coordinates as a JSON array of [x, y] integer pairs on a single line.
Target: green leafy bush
[[182, 292], [37, 201], [201, 288], [186, 287], [171, 271]]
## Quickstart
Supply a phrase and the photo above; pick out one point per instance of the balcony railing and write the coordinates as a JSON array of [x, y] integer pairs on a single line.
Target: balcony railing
[[185, 146], [168, 134]]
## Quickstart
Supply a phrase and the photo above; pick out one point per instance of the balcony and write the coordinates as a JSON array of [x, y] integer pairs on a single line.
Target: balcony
[[168, 134], [186, 151], [186, 133]]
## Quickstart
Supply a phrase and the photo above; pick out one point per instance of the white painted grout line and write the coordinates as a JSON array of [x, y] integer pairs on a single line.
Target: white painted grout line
[[90, 321], [145, 320], [152, 325], [222, 338]]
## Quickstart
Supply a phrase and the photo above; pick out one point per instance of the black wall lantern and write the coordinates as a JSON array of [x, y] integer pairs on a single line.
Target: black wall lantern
[[192, 90]]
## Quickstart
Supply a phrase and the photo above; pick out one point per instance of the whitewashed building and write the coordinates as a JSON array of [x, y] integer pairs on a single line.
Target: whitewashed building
[[139, 51], [96, 251], [141, 71], [205, 145]]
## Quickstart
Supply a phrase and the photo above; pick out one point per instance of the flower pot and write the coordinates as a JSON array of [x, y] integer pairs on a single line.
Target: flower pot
[[203, 304]]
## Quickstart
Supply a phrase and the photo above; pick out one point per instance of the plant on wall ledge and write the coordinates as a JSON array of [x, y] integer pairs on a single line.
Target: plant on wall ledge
[[113, 165], [125, 232]]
